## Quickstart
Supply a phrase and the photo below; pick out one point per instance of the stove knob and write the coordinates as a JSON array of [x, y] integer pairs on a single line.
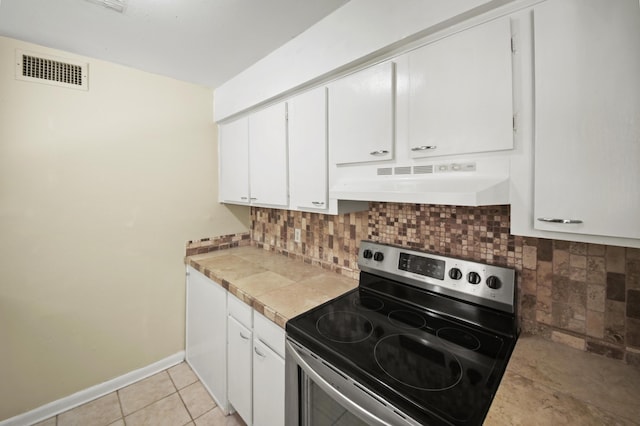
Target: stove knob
[[473, 278], [494, 282], [378, 256], [367, 254], [455, 274]]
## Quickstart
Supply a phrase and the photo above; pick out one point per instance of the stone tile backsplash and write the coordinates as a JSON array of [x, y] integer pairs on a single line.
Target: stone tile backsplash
[[583, 295], [206, 245]]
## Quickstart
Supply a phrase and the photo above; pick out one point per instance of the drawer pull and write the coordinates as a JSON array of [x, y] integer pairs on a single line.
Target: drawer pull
[[243, 198], [379, 152], [318, 203], [260, 354], [243, 336], [563, 221], [423, 148]]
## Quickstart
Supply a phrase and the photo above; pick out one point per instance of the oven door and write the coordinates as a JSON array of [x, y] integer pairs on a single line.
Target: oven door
[[319, 394]]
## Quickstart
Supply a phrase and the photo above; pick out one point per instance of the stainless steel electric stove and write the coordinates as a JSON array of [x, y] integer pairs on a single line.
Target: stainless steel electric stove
[[423, 340]]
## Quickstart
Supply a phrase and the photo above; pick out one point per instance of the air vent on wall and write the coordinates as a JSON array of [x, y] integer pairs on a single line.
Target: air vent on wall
[[51, 70]]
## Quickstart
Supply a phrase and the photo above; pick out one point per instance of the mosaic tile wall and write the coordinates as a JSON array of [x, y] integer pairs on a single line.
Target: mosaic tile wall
[[583, 295], [206, 245], [327, 241]]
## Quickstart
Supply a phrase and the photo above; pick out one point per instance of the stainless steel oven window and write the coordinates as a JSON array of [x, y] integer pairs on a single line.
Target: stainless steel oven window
[[319, 394]]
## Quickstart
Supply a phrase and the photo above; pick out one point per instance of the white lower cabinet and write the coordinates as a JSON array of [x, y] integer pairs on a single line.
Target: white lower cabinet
[[207, 333], [239, 368], [268, 386], [268, 373], [255, 367], [240, 339]]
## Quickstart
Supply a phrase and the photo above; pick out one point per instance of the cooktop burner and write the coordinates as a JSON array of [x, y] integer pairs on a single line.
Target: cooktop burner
[[344, 327], [418, 362]]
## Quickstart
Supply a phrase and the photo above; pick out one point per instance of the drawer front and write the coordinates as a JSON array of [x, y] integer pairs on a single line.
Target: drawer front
[[269, 333], [240, 311]]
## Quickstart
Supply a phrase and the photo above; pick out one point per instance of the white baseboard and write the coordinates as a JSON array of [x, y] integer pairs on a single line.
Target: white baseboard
[[68, 402]]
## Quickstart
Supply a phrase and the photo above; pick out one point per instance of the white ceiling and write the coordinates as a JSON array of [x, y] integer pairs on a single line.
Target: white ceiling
[[201, 41]]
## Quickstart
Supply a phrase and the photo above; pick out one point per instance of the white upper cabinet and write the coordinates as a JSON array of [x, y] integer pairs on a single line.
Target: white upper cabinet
[[308, 150], [461, 92], [587, 115], [233, 162], [361, 116], [253, 159], [268, 175]]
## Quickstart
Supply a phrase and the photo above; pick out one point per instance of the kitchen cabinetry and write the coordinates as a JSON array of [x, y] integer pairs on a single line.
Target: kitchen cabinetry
[[361, 116], [460, 92], [253, 159], [268, 176], [587, 117], [308, 150], [239, 350], [255, 365], [233, 162], [268, 373], [206, 334]]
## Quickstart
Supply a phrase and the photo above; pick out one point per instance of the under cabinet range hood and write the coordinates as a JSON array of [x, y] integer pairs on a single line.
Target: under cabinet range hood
[[459, 190], [476, 183]]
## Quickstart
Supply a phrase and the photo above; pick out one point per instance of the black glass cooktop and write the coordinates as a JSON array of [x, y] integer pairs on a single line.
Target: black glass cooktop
[[437, 369]]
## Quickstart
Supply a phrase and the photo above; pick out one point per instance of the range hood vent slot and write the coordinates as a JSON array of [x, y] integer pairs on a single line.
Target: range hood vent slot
[[385, 171], [420, 170], [51, 70], [405, 170]]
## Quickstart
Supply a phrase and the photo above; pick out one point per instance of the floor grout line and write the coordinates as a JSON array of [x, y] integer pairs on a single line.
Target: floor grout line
[[120, 405]]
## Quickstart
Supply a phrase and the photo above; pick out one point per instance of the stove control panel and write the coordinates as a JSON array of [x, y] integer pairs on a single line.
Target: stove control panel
[[487, 285]]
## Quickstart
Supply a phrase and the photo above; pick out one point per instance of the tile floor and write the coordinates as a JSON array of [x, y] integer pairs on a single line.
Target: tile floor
[[174, 397]]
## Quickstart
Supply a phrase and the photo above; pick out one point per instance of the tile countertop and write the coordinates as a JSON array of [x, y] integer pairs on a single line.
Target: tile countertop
[[546, 383], [277, 287]]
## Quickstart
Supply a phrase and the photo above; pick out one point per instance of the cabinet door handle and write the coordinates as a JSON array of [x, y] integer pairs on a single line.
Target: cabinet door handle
[[423, 147], [260, 354], [318, 203], [253, 198], [563, 221], [243, 198], [379, 152], [243, 336]]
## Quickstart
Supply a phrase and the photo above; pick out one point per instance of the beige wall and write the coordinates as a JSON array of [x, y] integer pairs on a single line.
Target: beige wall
[[99, 192]]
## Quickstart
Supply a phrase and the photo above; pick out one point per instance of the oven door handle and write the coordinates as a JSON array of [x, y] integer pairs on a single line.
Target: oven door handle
[[333, 392]]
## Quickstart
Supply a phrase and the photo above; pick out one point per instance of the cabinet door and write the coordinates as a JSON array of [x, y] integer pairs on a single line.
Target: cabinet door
[[207, 334], [239, 369], [361, 116], [460, 93], [268, 156], [308, 150], [587, 92], [233, 162], [268, 386]]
